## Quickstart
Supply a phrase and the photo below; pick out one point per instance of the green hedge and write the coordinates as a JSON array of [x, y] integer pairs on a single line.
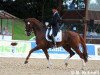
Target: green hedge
[[19, 31]]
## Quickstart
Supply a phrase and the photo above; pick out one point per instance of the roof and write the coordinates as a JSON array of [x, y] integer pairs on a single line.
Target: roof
[[4, 15]]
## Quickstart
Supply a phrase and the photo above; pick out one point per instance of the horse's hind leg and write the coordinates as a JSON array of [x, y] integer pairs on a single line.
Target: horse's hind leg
[[68, 49], [77, 50], [34, 49]]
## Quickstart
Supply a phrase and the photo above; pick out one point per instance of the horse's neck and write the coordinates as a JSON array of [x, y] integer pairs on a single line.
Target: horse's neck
[[39, 30], [40, 34], [39, 26]]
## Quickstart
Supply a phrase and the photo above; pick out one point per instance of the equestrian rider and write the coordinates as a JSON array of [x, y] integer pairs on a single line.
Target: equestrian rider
[[55, 23]]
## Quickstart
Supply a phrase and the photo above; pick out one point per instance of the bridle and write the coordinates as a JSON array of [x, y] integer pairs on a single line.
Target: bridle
[[28, 28]]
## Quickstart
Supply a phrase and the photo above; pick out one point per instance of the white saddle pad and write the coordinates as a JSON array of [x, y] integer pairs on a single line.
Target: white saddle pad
[[58, 37]]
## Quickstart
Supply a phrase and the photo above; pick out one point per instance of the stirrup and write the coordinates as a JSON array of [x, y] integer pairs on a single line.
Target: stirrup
[[55, 46]]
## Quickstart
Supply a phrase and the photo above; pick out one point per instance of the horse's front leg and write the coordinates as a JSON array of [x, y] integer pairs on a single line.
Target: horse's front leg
[[47, 56], [32, 50]]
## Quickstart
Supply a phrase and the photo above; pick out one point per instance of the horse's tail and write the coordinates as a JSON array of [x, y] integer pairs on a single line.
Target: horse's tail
[[85, 54]]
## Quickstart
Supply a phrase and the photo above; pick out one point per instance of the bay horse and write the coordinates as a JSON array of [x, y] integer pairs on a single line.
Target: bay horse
[[70, 40]]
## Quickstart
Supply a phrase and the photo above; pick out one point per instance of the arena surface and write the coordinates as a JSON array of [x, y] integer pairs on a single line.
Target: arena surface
[[16, 66]]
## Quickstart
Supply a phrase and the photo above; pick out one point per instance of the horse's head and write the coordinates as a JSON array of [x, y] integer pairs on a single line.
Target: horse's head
[[28, 27], [32, 24]]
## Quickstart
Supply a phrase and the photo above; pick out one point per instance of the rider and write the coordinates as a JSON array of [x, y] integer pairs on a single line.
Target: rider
[[55, 23]]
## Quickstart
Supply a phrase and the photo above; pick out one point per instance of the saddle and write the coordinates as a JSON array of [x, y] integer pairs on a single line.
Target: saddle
[[58, 37]]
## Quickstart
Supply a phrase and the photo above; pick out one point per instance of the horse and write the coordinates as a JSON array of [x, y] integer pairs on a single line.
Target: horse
[[70, 40]]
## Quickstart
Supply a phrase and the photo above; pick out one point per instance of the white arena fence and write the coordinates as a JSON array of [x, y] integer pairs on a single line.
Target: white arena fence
[[7, 37], [22, 49]]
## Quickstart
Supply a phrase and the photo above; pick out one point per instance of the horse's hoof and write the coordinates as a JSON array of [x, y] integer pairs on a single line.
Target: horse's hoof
[[25, 62], [66, 64]]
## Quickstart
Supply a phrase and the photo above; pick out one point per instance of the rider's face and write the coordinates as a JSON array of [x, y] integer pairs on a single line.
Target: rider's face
[[54, 10]]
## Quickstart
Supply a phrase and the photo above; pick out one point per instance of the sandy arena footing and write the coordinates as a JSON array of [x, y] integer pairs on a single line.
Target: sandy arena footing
[[16, 66]]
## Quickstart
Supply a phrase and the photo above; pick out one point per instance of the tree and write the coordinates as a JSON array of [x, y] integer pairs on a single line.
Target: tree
[[40, 9]]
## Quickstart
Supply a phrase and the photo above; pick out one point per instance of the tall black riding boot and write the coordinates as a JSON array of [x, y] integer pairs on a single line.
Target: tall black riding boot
[[53, 40]]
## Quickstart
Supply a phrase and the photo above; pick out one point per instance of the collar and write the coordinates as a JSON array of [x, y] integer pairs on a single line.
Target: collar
[[55, 12]]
